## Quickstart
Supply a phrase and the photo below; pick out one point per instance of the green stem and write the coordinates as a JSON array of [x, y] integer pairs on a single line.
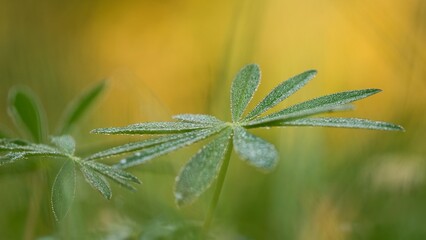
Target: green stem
[[218, 189]]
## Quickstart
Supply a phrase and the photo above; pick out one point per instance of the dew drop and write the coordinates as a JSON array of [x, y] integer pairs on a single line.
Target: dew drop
[[123, 161]]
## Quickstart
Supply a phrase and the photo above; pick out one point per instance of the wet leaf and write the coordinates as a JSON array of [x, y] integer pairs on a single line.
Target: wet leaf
[[198, 118], [254, 150], [199, 173], [97, 181], [318, 105], [166, 147], [63, 190], [152, 128], [243, 88], [65, 143], [343, 123], [281, 92]]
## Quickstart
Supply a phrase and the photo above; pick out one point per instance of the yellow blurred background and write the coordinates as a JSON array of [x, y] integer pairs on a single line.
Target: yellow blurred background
[[167, 57]]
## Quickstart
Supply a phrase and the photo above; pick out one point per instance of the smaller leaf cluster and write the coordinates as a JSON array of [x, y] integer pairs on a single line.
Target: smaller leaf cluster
[[29, 117], [202, 169]]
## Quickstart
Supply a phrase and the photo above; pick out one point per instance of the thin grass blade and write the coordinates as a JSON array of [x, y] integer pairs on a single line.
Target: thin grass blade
[[152, 128], [343, 123], [97, 181], [63, 190], [199, 173], [79, 107], [27, 113], [281, 92], [243, 88], [256, 151], [166, 147], [328, 103]]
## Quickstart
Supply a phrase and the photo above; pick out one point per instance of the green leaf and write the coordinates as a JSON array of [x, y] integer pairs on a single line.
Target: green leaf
[[63, 190], [152, 128], [117, 175], [112, 172], [255, 150], [79, 107], [199, 173], [243, 88], [197, 118], [135, 146], [166, 147], [65, 143], [281, 92], [97, 181], [343, 123], [26, 112], [328, 103], [11, 158]]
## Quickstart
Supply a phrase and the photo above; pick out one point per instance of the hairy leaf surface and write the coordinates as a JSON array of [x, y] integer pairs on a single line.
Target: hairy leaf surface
[[281, 92], [135, 146], [254, 150], [199, 173], [318, 105], [166, 147], [153, 128], [97, 181], [63, 190], [343, 123], [65, 143], [198, 118], [243, 88]]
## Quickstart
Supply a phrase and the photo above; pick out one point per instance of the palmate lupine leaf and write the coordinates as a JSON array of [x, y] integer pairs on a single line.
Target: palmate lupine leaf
[[199, 173], [153, 128], [315, 106], [342, 123], [79, 107], [256, 151], [166, 147], [281, 92], [197, 118], [243, 88], [63, 190], [27, 113]]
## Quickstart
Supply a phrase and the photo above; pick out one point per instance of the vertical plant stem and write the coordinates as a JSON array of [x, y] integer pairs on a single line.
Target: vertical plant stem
[[218, 189]]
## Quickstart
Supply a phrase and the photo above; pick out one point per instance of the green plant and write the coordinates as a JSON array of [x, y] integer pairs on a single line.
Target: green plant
[[28, 116], [212, 160]]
